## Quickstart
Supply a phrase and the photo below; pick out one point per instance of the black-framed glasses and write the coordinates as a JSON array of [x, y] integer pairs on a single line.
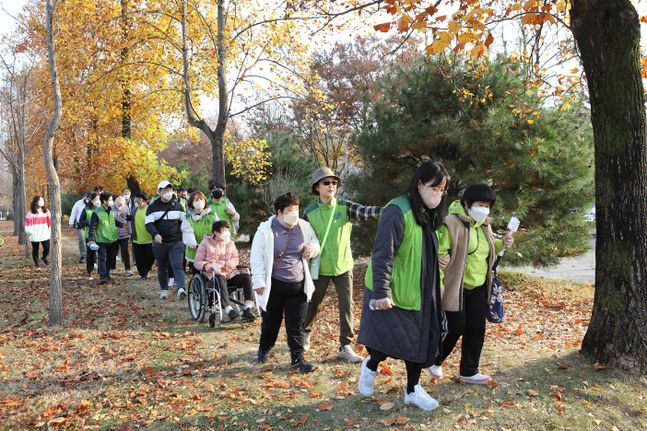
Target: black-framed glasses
[[329, 182]]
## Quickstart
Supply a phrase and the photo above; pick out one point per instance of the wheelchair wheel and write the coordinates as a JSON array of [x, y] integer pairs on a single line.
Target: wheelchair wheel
[[197, 298]]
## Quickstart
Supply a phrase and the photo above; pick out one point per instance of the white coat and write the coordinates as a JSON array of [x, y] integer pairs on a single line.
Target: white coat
[[262, 259]]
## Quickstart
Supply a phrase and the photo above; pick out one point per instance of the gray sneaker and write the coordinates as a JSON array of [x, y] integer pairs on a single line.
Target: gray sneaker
[[346, 352], [163, 294]]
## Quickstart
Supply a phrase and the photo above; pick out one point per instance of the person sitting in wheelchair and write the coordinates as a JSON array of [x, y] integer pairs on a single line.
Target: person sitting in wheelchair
[[217, 256]]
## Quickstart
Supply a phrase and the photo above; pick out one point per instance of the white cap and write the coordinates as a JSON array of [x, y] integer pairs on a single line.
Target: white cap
[[163, 184]]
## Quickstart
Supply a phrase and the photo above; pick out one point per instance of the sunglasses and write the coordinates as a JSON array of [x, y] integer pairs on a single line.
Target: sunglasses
[[329, 182]]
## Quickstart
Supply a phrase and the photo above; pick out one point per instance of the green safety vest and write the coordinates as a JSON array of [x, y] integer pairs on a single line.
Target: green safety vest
[[106, 229], [407, 262]]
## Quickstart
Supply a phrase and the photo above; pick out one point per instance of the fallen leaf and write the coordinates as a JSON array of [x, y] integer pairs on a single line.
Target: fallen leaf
[[507, 403], [532, 393], [324, 406], [386, 406]]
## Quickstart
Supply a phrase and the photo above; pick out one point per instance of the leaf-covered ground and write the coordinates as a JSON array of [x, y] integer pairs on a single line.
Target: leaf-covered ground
[[126, 360]]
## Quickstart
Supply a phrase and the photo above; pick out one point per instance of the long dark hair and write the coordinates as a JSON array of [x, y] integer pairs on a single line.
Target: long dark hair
[[429, 171], [34, 205]]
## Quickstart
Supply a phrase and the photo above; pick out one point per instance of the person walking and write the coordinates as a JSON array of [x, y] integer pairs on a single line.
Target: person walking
[[167, 224], [281, 278], [73, 222], [104, 233], [122, 214], [222, 206], [467, 251], [401, 313], [94, 201], [201, 218], [142, 239], [331, 220], [38, 224]]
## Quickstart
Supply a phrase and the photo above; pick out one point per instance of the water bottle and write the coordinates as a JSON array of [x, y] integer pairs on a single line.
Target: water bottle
[[372, 304]]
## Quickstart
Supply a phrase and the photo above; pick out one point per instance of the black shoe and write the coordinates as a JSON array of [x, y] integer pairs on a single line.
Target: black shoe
[[249, 315], [104, 281], [233, 315], [302, 366], [45, 262], [262, 356]]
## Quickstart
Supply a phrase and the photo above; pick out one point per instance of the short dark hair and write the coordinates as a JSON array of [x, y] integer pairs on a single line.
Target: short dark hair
[[478, 192], [429, 171], [181, 189], [190, 190], [219, 224], [215, 184], [104, 197], [140, 195], [285, 201], [98, 188], [91, 197]]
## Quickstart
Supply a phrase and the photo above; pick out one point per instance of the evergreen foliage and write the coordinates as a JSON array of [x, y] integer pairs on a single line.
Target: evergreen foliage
[[485, 124]]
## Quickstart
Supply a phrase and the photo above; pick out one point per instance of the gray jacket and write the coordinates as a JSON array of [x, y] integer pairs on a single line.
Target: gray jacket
[[404, 334]]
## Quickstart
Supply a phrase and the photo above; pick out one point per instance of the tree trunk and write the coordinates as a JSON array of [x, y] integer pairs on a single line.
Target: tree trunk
[[55, 288], [608, 36], [218, 142]]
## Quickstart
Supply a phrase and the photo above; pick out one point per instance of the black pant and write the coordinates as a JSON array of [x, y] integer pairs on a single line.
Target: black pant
[[106, 254], [34, 250], [243, 281], [288, 298], [91, 259], [169, 254], [112, 255], [470, 324], [125, 253], [144, 258], [413, 368]]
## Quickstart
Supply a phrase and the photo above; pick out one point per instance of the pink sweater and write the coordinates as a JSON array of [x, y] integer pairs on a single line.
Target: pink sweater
[[223, 253], [38, 225]]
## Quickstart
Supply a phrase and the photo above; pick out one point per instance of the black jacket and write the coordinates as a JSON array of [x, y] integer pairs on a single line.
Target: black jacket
[[166, 219]]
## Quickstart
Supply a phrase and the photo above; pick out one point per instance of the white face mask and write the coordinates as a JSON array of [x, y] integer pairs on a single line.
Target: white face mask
[[198, 205], [166, 196], [430, 198], [225, 236], [127, 197], [136, 204], [291, 218], [111, 203], [96, 203], [478, 214], [41, 202]]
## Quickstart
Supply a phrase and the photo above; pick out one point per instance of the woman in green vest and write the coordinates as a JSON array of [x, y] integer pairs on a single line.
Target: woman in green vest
[[104, 233], [142, 239], [222, 206], [84, 222], [201, 218], [468, 251], [401, 314]]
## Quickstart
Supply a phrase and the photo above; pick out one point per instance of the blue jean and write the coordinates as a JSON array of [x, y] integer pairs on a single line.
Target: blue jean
[[173, 254]]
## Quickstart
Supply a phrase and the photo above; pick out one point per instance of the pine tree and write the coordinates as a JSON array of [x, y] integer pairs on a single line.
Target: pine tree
[[485, 124]]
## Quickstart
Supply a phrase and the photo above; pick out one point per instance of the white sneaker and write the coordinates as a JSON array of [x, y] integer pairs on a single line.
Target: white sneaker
[[128, 273], [476, 379], [306, 341], [366, 380], [112, 271], [436, 372], [420, 398], [181, 294], [346, 352], [171, 282], [163, 294]]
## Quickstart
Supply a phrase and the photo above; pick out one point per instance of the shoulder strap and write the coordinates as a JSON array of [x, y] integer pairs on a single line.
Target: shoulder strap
[[325, 237], [163, 215]]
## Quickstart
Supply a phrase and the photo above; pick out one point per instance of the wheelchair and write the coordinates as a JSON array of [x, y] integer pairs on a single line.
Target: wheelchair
[[202, 291]]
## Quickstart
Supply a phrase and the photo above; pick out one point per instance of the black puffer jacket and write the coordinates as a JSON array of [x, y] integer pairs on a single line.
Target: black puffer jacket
[[166, 219], [404, 334]]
